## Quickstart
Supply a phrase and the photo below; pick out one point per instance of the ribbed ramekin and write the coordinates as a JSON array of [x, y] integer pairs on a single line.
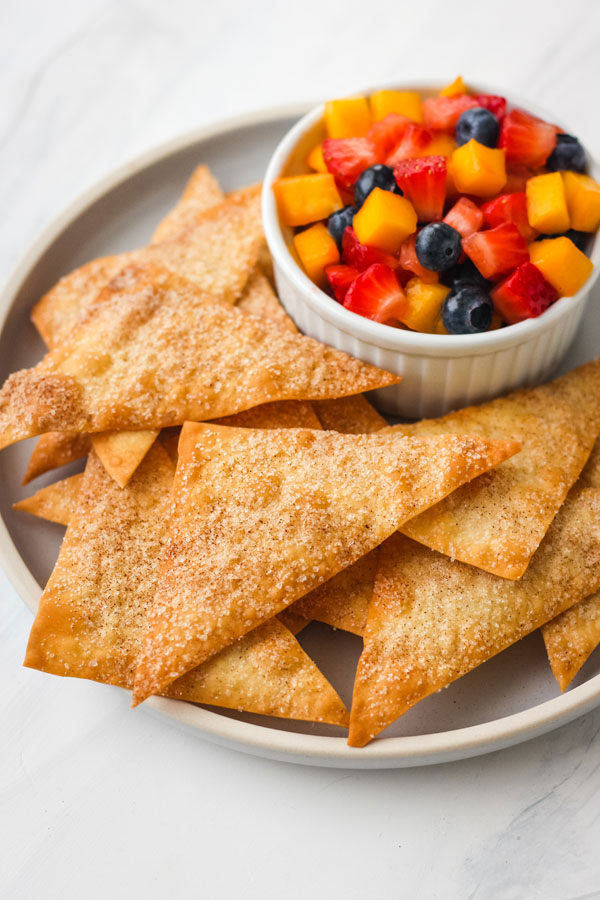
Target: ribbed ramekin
[[439, 372]]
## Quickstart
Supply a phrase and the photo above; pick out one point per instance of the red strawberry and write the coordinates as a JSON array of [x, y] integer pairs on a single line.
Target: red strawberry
[[387, 134], [465, 216], [340, 278], [527, 140], [376, 295], [346, 158], [495, 104], [497, 251], [517, 177], [509, 208], [442, 113], [423, 181], [524, 294], [413, 143], [361, 256], [410, 263]]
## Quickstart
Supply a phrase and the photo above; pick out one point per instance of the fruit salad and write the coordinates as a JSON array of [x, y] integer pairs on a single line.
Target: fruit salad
[[448, 215]]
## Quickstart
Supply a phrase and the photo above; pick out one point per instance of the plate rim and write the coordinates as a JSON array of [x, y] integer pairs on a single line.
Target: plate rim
[[260, 740]]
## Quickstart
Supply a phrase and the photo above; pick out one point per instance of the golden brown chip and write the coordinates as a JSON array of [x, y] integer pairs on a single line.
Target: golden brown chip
[[280, 414], [160, 351], [55, 502], [571, 638], [55, 449], [432, 620], [262, 517], [349, 415], [92, 614], [260, 299], [121, 452], [201, 193], [343, 601], [497, 522]]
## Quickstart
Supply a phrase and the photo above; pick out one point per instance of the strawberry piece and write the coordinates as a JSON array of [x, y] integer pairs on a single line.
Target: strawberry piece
[[423, 181], [517, 177], [387, 134], [509, 208], [523, 295], [465, 216], [442, 113], [346, 158], [410, 264], [340, 278], [361, 256], [497, 251], [376, 295], [495, 104], [413, 143], [527, 140]]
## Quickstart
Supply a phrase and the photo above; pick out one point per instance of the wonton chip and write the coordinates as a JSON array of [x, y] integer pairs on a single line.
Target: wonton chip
[[92, 614], [55, 503], [160, 351], [432, 620], [349, 415], [497, 522], [201, 193], [121, 452], [55, 449], [262, 517]]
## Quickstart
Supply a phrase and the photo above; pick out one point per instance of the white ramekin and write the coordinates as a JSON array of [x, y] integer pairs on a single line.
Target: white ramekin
[[439, 372]]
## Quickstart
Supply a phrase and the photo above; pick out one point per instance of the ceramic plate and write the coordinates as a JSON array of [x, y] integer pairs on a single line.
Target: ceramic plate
[[511, 698]]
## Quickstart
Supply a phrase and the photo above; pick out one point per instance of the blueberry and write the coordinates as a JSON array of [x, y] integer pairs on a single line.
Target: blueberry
[[568, 154], [579, 238], [375, 176], [467, 309], [478, 124], [465, 273], [438, 246], [338, 222]]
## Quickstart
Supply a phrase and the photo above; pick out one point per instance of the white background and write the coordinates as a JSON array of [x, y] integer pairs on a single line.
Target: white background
[[97, 801]]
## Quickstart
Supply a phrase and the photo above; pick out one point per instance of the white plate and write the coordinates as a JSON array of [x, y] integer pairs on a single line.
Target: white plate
[[511, 698]]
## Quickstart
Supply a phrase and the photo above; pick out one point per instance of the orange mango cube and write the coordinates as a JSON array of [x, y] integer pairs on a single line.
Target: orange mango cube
[[478, 170], [454, 88], [316, 249], [562, 264], [405, 103], [385, 220], [302, 199], [348, 117], [583, 200], [424, 305], [547, 203], [315, 160], [441, 145]]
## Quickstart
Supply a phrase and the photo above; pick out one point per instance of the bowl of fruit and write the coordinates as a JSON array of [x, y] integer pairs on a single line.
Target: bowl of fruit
[[445, 235]]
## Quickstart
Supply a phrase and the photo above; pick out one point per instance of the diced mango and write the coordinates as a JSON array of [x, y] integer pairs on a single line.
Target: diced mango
[[439, 327], [316, 249], [478, 170], [315, 160], [583, 201], [385, 220], [547, 203], [562, 264], [302, 199], [441, 145], [454, 88], [424, 305], [405, 103], [348, 117]]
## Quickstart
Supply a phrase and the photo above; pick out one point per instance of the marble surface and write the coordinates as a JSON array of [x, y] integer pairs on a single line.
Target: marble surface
[[100, 801]]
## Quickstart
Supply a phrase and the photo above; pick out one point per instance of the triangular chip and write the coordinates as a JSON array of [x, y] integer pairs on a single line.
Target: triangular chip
[[349, 415], [201, 193], [262, 517], [432, 620], [497, 523], [55, 449], [260, 299], [92, 614], [160, 351], [55, 503], [121, 452]]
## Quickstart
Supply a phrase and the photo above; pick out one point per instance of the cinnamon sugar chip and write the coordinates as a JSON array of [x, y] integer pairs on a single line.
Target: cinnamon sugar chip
[[571, 638], [261, 518], [92, 614], [200, 193], [55, 449], [160, 351], [260, 299], [121, 452], [432, 620], [55, 503], [343, 601], [497, 522], [349, 415]]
